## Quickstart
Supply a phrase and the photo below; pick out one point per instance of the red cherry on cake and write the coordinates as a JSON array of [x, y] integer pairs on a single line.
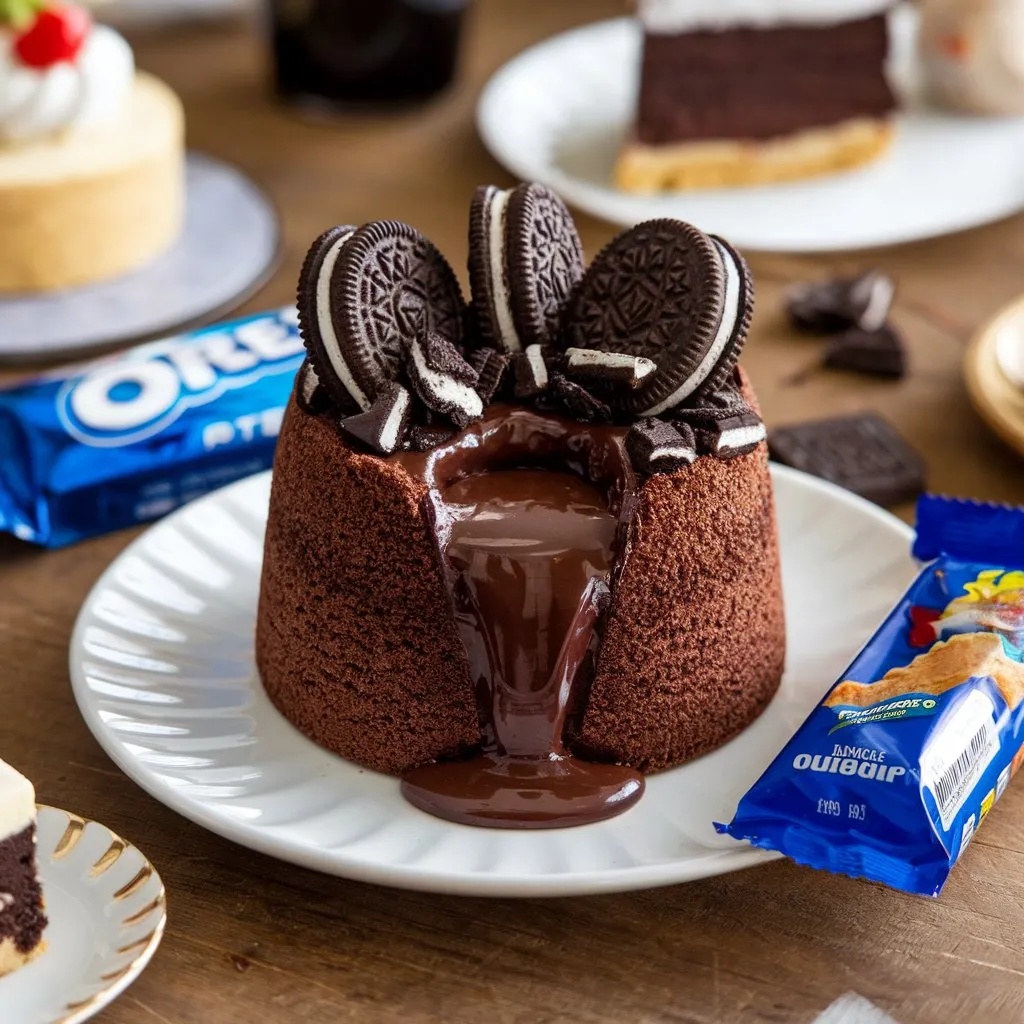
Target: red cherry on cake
[[56, 35]]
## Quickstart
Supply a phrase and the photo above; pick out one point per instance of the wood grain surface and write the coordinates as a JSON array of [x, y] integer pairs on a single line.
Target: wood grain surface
[[251, 939]]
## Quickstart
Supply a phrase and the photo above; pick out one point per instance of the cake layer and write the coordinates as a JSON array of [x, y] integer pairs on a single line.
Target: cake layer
[[89, 204], [355, 642], [724, 163], [693, 646], [761, 84], [668, 16], [22, 920]]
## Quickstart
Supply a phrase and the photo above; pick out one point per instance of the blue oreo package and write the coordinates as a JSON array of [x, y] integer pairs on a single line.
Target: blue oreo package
[[127, 438], [892, 773]]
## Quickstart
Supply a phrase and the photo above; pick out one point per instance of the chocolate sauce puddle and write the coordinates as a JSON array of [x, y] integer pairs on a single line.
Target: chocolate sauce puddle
[[528, 512]]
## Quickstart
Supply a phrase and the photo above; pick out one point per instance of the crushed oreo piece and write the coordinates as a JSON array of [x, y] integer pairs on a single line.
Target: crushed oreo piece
[[310, 394], [490, 365], [703, 412], [611, 368], [879, 352], [425, 439], [530, 372], [862, 453], [382, 428], [442, 379], [829, 306], [655, 446], [579, 403], [736, 435]]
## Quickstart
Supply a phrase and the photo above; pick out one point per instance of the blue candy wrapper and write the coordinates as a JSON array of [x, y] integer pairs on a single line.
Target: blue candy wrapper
[[892, 773], [125, 439]]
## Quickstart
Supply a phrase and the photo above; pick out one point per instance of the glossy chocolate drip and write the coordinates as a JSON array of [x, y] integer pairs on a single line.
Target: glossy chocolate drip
[[529, 553]]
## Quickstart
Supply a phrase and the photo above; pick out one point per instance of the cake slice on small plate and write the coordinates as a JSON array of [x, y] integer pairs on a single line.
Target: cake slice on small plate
[[746, 92], [22, 920]]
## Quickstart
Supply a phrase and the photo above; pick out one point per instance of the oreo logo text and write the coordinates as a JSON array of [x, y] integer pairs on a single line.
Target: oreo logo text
[[129, 399]]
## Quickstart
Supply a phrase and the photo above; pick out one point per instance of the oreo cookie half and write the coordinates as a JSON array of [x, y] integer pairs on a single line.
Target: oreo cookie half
[[364, 295], [382, 427], [525, 256], [655, 446], [443, 380], [667, 292]]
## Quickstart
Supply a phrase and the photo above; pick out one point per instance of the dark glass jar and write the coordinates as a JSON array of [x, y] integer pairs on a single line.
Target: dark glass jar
[[359, 53]]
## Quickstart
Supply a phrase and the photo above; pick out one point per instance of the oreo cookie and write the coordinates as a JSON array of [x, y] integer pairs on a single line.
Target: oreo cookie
[[530, 372], [863, 453], [443, 380], [427, 438], [608, 369], [382, 427], [736, 435], [525, 256], [878, 353], [704, 411], [576, 400], [364, 295], [490, 365], [655, 446], [667, 292], [723, 423], [825, 307]]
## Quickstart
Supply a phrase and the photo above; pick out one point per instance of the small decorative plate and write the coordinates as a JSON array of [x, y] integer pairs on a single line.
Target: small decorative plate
[[228, 248], [162, 668], [107, 914], [558, 113], [994, 369]]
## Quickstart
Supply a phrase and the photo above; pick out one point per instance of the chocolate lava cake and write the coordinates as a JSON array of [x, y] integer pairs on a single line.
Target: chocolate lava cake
[[21, 900], [522, 550]]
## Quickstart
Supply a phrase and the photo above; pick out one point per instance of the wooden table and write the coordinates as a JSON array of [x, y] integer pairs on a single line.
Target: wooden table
[[254, 939]]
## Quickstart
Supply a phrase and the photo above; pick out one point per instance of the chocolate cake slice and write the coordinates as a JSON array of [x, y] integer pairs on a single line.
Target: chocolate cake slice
[[21, 900], [740, 93]]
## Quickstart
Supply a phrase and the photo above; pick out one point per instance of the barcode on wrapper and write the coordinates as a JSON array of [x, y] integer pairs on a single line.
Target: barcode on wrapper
[[958, 754]]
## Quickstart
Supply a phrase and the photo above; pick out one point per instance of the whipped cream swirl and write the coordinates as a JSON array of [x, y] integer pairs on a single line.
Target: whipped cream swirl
[[35, 102]]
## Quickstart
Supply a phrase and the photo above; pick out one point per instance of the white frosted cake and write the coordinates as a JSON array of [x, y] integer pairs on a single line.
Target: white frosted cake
[[91, 153]]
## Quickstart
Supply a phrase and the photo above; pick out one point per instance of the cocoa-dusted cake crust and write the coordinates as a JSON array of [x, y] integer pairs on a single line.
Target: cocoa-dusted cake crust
[[355, 642], [356, 645], [694, 643]]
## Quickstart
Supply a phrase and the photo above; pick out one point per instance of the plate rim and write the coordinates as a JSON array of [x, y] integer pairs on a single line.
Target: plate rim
[[77, 823], [577, 192], [980, 351], [404, 876]]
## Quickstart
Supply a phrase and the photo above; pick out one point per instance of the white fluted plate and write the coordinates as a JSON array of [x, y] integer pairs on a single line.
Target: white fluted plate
[[106, 909], [163, 671], [558, 112]]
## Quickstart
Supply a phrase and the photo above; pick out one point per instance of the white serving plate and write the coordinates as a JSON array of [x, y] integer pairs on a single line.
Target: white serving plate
[[107, 912], [163, 671], [557, 114]]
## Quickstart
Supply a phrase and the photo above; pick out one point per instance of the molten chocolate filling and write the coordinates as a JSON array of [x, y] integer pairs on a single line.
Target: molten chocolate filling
[[529, 512]]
